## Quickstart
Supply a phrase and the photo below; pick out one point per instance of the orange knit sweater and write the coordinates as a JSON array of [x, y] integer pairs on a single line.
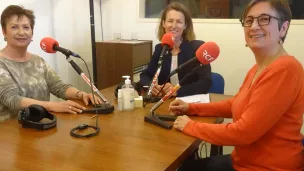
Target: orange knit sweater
[[267, 119]]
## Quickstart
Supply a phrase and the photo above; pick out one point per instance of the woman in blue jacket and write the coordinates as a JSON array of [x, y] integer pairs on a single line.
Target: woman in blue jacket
[[176, 19]]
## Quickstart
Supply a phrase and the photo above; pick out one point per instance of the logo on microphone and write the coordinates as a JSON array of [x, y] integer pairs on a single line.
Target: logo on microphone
[[208, 57], [43, 46], [173, 38]]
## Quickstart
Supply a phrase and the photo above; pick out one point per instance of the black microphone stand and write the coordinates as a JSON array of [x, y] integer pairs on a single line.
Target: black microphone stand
[[157, 119], [148, 98], [154, 80], [103, 108]]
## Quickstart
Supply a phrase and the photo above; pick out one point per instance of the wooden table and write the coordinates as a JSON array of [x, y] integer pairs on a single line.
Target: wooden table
[[125, 142]]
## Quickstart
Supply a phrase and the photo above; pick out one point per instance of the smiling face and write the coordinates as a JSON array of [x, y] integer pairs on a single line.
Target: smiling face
[[265, 36], [175, 23], [18, 31]]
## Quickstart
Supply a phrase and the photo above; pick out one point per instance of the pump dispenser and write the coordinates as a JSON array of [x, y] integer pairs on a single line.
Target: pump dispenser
[[127, 94]]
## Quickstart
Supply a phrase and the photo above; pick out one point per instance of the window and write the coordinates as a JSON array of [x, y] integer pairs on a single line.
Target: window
[[216, 9]]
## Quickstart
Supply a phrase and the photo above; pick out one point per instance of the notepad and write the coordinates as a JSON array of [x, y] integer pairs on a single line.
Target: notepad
[[198, 98]]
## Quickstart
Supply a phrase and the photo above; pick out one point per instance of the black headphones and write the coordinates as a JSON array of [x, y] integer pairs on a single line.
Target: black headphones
[[30, 116]]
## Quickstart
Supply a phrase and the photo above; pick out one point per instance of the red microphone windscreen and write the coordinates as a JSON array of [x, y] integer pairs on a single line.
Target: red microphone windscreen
[[207, 52], [47, 44], [168, 39]]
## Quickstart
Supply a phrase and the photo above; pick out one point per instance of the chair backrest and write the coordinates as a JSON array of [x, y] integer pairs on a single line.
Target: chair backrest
[[218, 83]]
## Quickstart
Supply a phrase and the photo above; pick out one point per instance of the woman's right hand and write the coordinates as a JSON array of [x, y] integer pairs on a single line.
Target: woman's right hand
[[65, 107], [155, 90], [179, 107]]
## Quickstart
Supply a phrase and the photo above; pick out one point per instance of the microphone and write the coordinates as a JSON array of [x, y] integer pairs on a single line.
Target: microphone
[[210, 53], [204, 55], [167, 43], [50, 45]]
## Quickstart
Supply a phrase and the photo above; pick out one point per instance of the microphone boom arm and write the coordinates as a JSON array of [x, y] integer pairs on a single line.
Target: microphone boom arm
[[86, 79], [159, 119], [159, 66], [153, 82], [173, 90], [168, 95]]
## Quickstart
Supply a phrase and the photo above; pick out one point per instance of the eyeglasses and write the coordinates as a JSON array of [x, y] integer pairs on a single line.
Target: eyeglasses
[[263, 20]]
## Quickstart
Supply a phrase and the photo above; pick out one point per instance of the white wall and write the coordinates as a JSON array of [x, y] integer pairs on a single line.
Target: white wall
[[234, 60], [72, 31]]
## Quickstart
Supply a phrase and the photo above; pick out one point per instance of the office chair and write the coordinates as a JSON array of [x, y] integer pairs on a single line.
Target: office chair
[[218, 86]]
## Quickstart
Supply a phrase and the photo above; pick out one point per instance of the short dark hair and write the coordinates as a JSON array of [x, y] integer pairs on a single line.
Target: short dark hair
[[188, 33], [280, 6], [20, 11]]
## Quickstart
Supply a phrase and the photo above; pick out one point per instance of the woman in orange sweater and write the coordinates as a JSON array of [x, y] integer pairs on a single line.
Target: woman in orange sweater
[[267, 111]]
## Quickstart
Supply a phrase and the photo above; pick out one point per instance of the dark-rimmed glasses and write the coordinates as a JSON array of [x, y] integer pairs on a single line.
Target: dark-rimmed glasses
[[263, 20]]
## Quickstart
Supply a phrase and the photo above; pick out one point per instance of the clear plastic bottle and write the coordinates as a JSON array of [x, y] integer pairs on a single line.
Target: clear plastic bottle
[[119, 100], [127, 94]]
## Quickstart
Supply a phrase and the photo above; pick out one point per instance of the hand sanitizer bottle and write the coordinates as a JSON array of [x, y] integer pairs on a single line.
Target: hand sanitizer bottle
[[119, 100], [127, 94]]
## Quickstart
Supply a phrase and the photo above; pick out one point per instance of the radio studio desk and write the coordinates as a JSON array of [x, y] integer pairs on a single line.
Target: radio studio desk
[[125, 142]]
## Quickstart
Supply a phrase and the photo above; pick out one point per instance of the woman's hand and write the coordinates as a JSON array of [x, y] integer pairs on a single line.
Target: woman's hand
[[167, 88], [155, 90], [181, 122], [178, 107], [87, 98], [65, 107]]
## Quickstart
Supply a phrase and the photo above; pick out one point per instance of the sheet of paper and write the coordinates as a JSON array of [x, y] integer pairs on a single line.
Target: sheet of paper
[[198, 98]]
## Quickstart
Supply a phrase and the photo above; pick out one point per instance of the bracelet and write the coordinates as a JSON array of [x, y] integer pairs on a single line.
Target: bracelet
[[77, 94]]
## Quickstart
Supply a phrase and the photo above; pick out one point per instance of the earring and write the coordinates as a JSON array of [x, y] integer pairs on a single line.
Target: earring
[[5, 39], [281, 41], [246, 45]]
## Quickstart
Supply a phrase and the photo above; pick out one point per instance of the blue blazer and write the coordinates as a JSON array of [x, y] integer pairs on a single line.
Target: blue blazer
[[198, 83]]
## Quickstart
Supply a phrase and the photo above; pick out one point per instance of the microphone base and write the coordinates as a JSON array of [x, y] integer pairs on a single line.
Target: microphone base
[[166, 117], [151, 99], [100, 109], [159, 120]]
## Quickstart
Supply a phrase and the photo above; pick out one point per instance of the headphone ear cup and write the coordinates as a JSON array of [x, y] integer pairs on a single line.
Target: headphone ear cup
[[23, 115], [37, 113], [118, 87], [137, 87], [26, 113]]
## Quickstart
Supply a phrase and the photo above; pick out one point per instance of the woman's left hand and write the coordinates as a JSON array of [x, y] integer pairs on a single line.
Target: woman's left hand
[[167, 88], [88, 97], [181, 122]]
